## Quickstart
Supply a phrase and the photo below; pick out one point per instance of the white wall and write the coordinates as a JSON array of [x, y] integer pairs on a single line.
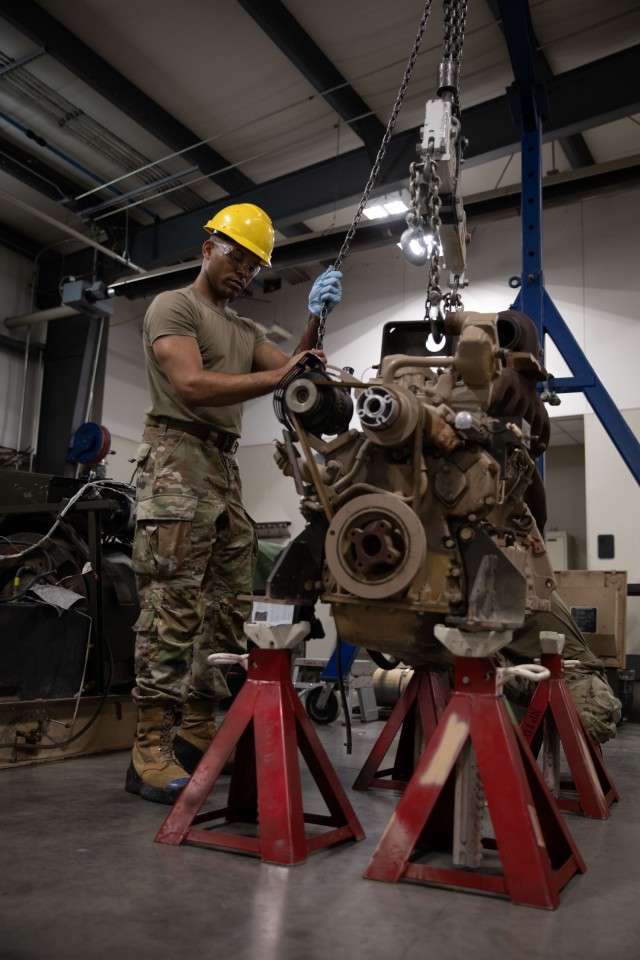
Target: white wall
[[564, 475], [612, 507], [125, 389]]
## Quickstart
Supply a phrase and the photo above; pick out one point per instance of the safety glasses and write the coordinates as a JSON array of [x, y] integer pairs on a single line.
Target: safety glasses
[[238, 257]]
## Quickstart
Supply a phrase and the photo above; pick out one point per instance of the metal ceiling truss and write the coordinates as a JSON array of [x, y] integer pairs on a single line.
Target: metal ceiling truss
[[324, 247], [289, 256], [573, 145], [579, 99], [80, 59], [285, 31], [277, 23], [50, 105]]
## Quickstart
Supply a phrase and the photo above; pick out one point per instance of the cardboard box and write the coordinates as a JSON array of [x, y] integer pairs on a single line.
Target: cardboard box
[[598, 603]]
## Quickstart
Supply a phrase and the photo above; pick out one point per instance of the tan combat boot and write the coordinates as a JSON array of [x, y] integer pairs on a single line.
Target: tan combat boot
[[154, 772], [195, 733]]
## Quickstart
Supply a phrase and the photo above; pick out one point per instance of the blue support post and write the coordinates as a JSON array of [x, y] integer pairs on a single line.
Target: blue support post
[[531, 295], [528, 104]]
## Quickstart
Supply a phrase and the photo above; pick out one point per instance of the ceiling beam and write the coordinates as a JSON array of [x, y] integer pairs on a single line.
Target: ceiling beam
[[482, 209], [574, 145], [580, 99], [296, 44], [316, 248], [81, 60]]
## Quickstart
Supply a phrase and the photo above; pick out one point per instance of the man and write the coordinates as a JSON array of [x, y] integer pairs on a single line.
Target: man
[[195, 546], [590, 690]]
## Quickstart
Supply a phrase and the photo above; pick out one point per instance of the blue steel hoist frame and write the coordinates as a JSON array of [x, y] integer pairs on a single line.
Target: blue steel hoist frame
[[528, 100]]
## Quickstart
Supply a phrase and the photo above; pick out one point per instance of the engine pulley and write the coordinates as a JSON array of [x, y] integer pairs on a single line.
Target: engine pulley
[[321, 407], [388, 413], [377, 408], [375, 546]]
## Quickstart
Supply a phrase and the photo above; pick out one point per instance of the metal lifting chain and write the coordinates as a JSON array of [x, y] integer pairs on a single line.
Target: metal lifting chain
[[455, 18], [434, 293], [455, 21], [373, 176]]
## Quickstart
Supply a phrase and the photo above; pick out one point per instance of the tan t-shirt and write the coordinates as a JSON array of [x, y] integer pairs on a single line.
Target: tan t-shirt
[[226, 342]]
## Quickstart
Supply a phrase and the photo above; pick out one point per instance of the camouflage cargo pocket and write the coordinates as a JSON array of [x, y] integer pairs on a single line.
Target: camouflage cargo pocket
[[162, 545], [142, 452], [144, 623], [141, 469]]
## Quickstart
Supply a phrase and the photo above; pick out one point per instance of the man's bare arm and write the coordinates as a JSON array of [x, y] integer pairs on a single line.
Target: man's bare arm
[[180, 360]]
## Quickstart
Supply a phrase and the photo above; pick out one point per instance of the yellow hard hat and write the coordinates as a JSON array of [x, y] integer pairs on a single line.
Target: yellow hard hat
[[248, 225]]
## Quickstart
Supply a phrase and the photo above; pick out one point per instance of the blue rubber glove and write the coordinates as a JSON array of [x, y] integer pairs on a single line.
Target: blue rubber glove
[[326, 287]]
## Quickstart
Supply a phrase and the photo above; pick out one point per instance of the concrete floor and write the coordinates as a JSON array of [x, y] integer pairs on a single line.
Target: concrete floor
[[82, 879]]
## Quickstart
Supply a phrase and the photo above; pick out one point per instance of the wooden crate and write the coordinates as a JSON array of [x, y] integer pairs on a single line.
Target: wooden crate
[[598, 603]]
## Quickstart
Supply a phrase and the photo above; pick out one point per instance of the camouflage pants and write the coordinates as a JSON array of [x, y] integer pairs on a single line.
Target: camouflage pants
[[590, 690], [194, 552]]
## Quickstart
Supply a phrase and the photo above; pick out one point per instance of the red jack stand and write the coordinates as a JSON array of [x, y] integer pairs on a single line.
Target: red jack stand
[[552, 719], [268, 723], [442, 808], [424, 698]]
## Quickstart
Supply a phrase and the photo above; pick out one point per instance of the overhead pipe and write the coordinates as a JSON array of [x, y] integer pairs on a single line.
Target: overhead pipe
[[38, 316], [31, 135]]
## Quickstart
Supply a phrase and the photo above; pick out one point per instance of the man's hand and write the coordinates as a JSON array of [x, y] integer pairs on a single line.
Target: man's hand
[[326, 287], [297, 357], [320, 354]]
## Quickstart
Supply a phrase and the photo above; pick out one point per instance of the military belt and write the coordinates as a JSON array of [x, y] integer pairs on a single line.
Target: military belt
[[226, 442]]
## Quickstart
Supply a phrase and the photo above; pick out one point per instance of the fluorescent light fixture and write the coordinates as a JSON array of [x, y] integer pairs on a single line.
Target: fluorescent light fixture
[[375, 213], [396, 206], [389, 207]]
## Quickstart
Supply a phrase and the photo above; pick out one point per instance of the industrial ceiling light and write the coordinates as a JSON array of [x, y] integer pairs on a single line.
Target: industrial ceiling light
[[375, 213], [388, 208], [394, 207]]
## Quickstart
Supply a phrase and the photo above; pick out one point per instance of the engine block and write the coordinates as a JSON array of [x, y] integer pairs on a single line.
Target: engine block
[[421, 519]]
